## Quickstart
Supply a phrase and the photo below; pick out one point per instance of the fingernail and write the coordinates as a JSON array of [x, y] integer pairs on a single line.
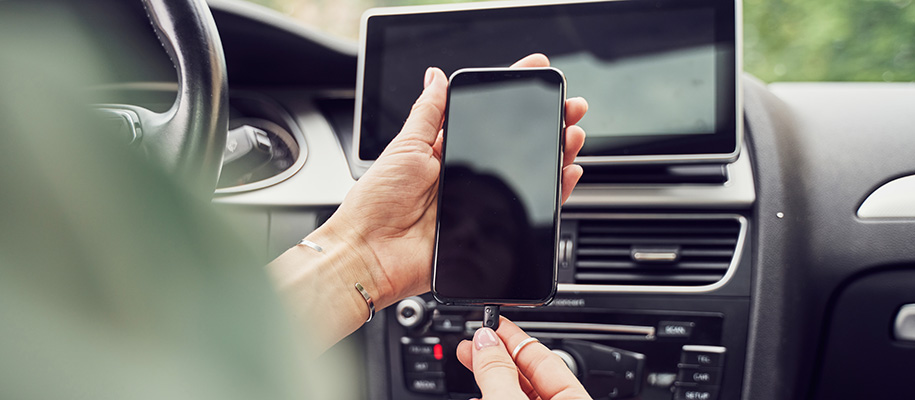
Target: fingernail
[[430, 76], [485, 337]]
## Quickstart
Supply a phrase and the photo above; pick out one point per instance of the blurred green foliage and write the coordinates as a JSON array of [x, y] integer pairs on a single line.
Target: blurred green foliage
[[784, 40], [830, 40]]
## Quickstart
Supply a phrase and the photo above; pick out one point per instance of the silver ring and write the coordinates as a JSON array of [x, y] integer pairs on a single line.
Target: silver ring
[[521, 345]]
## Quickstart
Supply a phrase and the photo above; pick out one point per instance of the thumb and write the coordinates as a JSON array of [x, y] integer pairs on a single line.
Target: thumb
[[493, 368], [427, 113]]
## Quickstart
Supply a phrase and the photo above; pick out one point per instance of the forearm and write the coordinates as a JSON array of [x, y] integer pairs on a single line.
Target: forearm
[[319, 287]]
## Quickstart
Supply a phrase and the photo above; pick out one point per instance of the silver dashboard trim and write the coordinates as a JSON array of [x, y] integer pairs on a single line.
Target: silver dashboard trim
[[648, 159], [904, 325], [568, 327], [894, 199], [705, 349], [737, 193], [732, 267], [653, 256]]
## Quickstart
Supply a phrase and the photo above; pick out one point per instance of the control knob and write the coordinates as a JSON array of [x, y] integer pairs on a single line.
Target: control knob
[[568, 359], [411, 312]]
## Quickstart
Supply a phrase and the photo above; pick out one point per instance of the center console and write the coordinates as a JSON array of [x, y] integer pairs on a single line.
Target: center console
[[619, 347], [651, 305]]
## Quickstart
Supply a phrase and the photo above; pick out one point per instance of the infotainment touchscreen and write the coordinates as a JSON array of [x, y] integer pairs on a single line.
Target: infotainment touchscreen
[[660, 75]]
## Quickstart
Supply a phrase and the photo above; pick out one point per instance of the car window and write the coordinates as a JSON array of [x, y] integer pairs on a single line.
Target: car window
[[784, 40]]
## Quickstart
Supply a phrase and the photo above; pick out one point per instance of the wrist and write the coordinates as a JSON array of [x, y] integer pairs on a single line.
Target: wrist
[[360, 264], [319, 285]]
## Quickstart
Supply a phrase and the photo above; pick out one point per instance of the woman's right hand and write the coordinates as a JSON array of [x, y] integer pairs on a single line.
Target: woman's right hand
[[535, 373]]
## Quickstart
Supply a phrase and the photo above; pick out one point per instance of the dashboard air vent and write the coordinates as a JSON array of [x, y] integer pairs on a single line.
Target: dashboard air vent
[[654, 250]]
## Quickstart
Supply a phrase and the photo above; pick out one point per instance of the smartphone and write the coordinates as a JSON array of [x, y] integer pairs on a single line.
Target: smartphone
[[497, 225]]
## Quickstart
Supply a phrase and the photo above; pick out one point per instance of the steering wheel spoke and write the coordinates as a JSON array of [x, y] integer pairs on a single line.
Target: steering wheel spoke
[[123, 121], [189, 138]]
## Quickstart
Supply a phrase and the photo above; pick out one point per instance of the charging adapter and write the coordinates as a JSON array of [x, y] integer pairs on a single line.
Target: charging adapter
[[491, 317]]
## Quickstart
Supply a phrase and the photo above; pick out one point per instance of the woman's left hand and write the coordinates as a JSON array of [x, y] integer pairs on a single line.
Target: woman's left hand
[[389, 215]]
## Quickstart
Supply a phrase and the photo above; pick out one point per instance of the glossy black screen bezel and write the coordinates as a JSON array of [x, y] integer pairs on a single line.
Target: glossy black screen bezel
[[481, 75], [723, 143]]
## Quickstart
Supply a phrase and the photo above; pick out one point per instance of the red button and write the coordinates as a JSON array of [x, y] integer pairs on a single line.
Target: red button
[[437, 352]]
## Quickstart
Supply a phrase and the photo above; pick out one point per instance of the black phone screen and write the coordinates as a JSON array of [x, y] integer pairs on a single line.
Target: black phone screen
[[498, 211]]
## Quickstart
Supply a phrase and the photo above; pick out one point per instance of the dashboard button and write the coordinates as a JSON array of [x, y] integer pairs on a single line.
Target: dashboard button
[[419, 349], [700, 375], [423, 346], [424, 364], [426, 383], [703, 356], [448, 323], [675, 329], [696, 393], [661, 380]]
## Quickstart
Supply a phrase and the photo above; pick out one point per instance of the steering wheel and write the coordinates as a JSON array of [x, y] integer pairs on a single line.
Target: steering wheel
[[188, 139]]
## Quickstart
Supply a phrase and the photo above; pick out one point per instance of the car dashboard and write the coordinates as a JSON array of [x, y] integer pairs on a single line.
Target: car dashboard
[[756, 279]]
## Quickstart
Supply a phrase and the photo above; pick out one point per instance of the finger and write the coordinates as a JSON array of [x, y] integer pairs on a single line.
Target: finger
[[570, 176], [437, 146], [575, 139], [576, 108], [527, 388], [493, 368], [548, 374], [536, 60], [465, 356], [428, 111]]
